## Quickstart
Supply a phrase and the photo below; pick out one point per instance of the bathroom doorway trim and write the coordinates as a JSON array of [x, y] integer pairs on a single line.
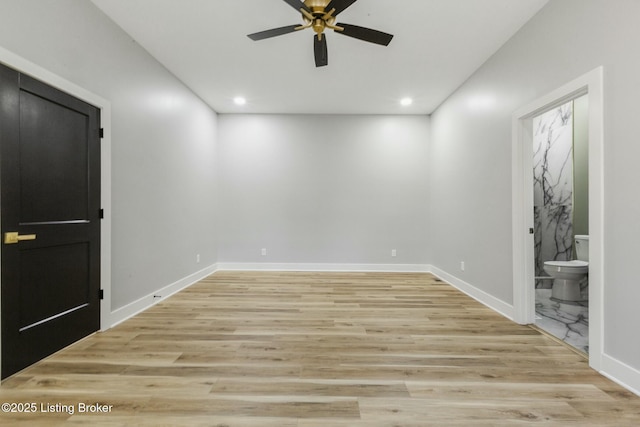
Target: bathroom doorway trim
[[590, 83]]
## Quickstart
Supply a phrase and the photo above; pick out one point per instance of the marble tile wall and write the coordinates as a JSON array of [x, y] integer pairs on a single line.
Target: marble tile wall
[[553, 187]]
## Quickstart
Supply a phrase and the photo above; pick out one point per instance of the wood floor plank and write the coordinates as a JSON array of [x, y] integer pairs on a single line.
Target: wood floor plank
[[186, 420], [443, 411], [292, 349], [310, 388]]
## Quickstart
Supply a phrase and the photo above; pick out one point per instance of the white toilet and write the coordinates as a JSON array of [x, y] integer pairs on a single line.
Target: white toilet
[[567, 275]]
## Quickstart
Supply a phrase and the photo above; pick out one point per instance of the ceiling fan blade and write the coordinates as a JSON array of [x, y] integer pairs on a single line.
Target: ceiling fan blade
[[339, 5], [297, 5], [366, 34], [273, 32], [320, 50]]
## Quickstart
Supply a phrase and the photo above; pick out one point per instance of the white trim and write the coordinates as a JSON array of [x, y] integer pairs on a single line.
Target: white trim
[[523, 259], [148, 301], [614, 369], [24, 66], [379, 268], [479, 295], [522, 205]]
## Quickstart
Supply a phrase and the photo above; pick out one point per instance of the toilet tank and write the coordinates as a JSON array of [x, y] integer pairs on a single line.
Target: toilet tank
[[582, 247]]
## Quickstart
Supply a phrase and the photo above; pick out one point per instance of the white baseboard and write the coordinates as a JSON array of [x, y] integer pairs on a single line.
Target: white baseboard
[[614, 370], [324, 267], [138, 306], [479, 295]]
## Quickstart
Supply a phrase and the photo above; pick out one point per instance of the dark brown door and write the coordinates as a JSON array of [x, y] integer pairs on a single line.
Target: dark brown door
[[50, 197]]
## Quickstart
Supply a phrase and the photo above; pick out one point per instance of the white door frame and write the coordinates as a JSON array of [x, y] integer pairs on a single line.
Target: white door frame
[[27, 67], [522, 199]]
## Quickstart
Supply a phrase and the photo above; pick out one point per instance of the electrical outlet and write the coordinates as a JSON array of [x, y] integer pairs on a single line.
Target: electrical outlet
[[394, 252], [462, 265], [197, 258], [264, 251]]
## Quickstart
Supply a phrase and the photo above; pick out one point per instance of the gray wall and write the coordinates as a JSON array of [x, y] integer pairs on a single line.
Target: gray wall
[[470, 153], [163, 152], [324, 189]]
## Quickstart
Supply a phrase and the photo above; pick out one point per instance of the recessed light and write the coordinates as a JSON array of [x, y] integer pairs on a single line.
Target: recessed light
[[239, 100], [405, 102]]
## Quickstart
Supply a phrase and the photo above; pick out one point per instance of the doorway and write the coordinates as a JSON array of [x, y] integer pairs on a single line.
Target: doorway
[[50, 188], [523, 204], [561, 229]]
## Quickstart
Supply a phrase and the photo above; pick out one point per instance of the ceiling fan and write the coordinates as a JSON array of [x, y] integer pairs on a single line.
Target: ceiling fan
[[320, 15]]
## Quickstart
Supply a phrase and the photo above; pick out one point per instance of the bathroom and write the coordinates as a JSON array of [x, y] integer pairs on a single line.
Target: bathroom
[[561, 215]]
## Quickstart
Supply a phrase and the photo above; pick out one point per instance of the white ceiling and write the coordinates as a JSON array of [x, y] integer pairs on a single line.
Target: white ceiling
[[438, 44]]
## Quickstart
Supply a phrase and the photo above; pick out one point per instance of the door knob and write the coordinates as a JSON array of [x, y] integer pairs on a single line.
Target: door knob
[[14, 237]]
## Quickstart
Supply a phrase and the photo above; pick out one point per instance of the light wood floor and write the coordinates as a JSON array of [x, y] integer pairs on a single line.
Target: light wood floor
[[320, 350]]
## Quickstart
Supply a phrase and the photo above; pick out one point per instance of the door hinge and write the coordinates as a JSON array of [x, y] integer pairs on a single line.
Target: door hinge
[[531, 231], [101, 294], [101, 213], [101, 132]]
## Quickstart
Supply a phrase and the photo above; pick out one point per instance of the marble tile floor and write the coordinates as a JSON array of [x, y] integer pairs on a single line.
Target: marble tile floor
[[570, 323]]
